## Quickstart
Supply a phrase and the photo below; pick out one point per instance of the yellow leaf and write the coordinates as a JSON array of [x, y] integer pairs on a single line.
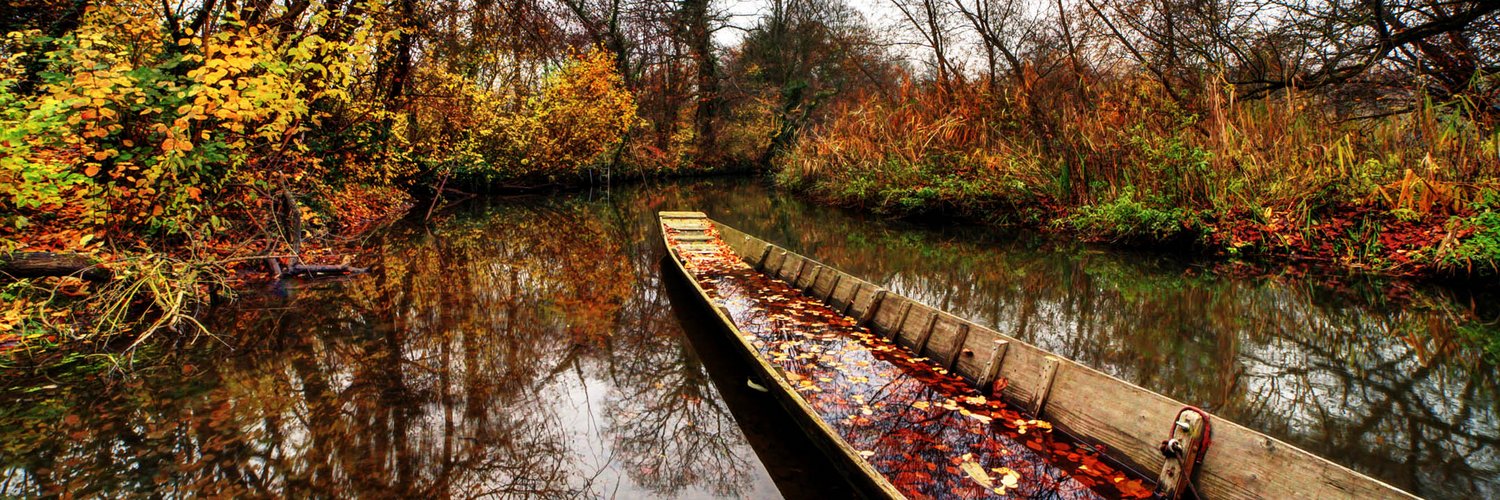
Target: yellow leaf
[[976, 472]]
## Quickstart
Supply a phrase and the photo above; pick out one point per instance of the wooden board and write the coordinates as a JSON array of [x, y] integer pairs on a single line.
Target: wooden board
[[864, 299], [980, 341], [790, 266], [940, 342], [1127, 420], [914, 330], [823, 285], [892, 311], [774, 261], [805, 280], [843, 291]]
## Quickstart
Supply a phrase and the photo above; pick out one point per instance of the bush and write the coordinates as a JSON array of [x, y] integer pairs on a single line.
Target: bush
[[1481, 248], [581, 112], [1124, 218]]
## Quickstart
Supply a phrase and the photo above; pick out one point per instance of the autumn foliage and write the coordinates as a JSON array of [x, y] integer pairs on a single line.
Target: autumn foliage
[[184, 151]]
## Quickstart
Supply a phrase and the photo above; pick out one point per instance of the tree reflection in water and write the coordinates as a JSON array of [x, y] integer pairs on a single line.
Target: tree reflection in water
[[469, 364], [525, 348]]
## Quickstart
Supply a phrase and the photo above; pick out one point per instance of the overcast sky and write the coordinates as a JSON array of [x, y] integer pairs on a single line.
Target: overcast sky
[[880, 14]]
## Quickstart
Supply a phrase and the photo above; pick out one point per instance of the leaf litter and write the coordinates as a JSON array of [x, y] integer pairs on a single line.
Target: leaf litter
[[926, 430]]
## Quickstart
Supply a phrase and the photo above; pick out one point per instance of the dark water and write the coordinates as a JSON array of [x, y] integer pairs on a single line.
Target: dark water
[[528, 347]]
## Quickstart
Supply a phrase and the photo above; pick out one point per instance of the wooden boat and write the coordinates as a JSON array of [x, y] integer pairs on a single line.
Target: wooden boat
[[1197, 453]]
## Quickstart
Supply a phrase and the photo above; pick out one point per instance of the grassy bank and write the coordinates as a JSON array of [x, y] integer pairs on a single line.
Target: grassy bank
[[1286, 177]]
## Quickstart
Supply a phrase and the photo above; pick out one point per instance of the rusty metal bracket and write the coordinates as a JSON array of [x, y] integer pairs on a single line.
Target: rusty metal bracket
[[1184, 450]]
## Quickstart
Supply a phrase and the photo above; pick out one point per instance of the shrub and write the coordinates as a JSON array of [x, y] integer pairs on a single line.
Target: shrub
[[1124, 218], [1481, 248]]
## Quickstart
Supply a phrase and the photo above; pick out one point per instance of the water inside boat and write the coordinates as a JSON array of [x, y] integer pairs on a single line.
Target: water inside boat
[[929, 432]]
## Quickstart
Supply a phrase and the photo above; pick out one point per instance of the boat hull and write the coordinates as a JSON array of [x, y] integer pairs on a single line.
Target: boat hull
[[1127, 421]]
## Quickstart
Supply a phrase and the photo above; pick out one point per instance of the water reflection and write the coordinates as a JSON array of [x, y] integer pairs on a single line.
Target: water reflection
[[512, 350], [526, 347]]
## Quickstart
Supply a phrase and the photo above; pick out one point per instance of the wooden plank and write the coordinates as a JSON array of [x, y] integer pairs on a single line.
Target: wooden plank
[[1022, 370], [864, 300], [790, 266], [894, 335], [806, 279], [887, 320], [945, 328], [859, 284], [778, 256], [680, 215], [981, 341], [843, 291], [1038, 403], [987, 376], [867, 314], [956, 348], [689, 225], [823, 284], [828, 298], [921, 346], [915, 327], [749, 248]]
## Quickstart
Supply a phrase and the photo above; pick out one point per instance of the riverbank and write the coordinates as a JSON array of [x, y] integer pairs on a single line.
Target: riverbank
[[1275, 180]]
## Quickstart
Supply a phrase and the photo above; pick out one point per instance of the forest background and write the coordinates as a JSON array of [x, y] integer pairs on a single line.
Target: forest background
[[156, 154]]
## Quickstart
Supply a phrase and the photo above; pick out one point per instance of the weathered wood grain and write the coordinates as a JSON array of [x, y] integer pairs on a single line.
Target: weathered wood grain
[[915, 328]]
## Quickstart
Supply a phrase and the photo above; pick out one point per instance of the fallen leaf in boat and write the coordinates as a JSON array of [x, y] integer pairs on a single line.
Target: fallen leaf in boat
[[976, 472], [1008, 477]]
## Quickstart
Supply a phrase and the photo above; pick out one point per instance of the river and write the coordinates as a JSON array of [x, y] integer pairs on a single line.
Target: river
[[528, 346]]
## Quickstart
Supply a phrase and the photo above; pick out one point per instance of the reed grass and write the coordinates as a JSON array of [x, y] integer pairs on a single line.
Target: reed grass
[[1123, 160]]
